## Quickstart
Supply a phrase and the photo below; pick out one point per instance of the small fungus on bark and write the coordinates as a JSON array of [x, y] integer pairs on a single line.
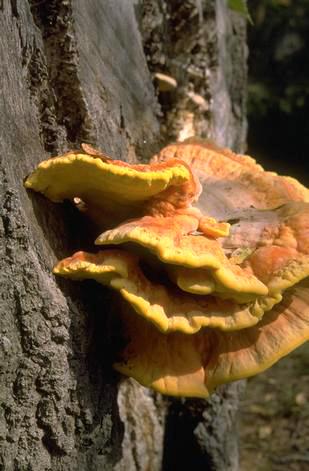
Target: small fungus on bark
[[209, 252]]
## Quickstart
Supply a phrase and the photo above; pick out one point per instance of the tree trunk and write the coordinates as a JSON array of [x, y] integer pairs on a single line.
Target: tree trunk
[[72, 72]]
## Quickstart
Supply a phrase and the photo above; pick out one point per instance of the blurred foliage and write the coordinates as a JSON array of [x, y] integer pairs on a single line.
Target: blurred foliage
[[240, 6], [279, 65], [278, 101]]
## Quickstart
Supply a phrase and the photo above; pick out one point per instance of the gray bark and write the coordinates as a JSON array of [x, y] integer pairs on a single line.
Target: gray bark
[[73, 72]]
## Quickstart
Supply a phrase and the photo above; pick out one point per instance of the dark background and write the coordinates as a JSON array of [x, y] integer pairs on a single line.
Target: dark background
[[279, 86]]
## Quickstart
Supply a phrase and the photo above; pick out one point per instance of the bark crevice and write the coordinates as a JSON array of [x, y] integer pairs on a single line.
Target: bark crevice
[[56, 23]]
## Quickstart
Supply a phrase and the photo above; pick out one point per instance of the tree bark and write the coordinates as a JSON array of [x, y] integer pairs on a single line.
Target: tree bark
[[73, 72]]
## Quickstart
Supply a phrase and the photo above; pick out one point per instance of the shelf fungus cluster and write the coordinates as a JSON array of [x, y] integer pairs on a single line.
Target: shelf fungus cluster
[[209, 252]]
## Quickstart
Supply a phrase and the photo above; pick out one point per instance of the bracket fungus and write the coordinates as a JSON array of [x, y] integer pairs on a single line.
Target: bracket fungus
[[209, 253]]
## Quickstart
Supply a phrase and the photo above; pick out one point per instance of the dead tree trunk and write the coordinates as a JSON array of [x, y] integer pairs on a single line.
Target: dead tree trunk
[[72, 72]]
